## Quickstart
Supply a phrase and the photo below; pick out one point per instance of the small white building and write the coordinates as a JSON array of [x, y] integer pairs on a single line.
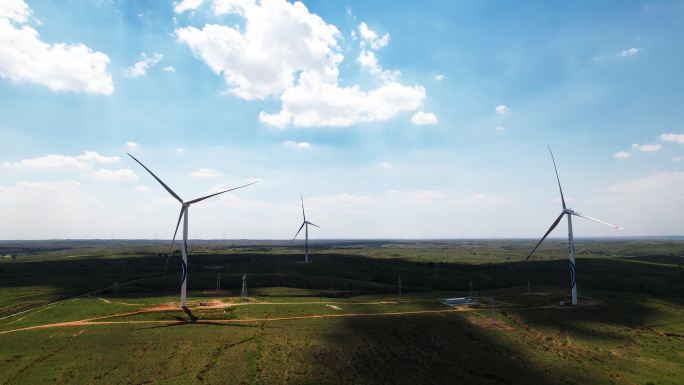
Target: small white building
[[459, 301]]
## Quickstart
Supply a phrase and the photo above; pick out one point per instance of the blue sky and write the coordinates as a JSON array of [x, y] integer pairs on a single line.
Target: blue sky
[[398, 120]]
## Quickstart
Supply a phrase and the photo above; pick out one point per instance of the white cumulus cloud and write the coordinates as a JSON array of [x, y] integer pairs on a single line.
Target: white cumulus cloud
[[371, 38], [47, 161], [502, 109], [92, 156], [140, 67], [369, 42], [646, 147], [313, 103], [301, 66], [628, 52], [370, 63], [223, 7], [24, 57], [421, 118], [133, 146], [86, 163], [622, 154], [278, 40], [16, 10], [676, 138], [186, 5]]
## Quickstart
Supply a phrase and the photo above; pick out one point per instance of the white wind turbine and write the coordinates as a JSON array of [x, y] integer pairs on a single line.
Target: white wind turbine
[[184, 216], [305, 225], [571, 242]]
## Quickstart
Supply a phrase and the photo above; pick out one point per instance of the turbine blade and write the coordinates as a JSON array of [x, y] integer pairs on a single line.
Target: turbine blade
[[300, 229], [220, 192], [313, 224], [553, 226], [177, 224], [158, 180], [166, 264], [557, 178], [303, 214], [597, 220]]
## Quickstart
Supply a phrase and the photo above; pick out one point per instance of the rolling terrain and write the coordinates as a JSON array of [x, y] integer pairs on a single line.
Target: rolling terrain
[[103, 312]]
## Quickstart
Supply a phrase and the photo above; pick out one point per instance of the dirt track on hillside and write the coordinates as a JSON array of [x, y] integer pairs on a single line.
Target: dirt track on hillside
[[99, 320]]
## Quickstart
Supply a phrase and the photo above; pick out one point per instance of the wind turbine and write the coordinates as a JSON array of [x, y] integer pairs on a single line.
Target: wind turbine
[[305, 225], [571, 242], [185, 205]]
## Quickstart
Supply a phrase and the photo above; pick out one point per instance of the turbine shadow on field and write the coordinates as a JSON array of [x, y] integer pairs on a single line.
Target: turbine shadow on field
[[200, 322], [435, 349], [188, 312]]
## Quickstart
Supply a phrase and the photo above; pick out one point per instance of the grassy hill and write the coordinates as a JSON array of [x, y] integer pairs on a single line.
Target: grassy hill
[[340, 320]]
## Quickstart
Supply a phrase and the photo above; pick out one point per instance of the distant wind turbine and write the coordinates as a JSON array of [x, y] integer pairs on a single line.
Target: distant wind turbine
[[571, 242], [184, 216], [305, 225]]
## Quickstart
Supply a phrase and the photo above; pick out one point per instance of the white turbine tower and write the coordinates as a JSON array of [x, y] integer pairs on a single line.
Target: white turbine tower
[[184, 216], [571, 242], [305, 225]]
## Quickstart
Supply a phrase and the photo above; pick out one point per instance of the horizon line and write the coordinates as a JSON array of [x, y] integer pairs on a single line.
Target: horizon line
[[339, 239]]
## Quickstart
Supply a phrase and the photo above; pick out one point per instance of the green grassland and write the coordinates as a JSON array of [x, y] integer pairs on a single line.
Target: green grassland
[[340, 320]]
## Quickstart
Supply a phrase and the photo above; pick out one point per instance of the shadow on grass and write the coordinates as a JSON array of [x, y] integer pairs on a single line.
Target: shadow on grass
[[201, 322], [415, 349], [188, 312]]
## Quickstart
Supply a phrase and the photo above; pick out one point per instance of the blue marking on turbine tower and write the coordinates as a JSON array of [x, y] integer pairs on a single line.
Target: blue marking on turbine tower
[[184, 266], [572, 274], [184, 271]]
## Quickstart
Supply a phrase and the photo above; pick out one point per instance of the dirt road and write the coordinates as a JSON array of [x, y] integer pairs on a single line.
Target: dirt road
[[99, 320]]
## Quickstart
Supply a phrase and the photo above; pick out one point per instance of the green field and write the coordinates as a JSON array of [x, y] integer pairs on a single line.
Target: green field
[[340, 319]]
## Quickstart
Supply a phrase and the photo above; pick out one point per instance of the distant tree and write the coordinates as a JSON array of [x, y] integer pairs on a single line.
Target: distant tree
[[14, 257]]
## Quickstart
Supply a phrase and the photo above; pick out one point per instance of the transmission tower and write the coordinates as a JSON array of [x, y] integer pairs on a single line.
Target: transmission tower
[[243, 292]]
